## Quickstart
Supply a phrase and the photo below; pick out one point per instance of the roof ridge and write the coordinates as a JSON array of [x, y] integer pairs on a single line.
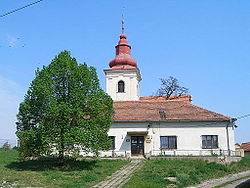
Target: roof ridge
[[153, 101], [166, 96]]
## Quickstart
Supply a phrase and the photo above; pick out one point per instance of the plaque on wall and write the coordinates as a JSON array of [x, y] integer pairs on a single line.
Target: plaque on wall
[[148, 140]]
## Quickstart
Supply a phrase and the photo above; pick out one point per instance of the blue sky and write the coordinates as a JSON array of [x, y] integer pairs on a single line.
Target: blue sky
[[205, 44]]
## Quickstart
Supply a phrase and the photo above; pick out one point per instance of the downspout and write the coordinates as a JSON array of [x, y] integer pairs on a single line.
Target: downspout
[[228, 145], [228, 141]]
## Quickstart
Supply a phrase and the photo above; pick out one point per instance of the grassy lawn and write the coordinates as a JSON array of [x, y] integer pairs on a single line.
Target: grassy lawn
[[46, 173], [187, 172]]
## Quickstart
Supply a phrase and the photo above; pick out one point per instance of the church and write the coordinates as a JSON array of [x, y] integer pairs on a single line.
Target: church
[[151, 125]]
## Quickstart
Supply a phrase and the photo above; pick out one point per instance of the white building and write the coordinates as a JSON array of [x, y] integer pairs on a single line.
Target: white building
[[156, 126]]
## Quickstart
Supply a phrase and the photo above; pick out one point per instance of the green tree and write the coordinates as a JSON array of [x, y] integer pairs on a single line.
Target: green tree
[[64, 111]]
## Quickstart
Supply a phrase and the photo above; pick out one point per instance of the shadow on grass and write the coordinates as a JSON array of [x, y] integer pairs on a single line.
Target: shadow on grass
[[52, 164]]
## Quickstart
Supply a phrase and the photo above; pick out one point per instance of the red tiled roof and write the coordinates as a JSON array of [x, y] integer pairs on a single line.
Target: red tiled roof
[[185, 98], [175, 110], [245, 146]]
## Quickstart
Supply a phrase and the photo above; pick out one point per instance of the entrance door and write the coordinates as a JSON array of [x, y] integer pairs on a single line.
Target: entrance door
[[137, 145]]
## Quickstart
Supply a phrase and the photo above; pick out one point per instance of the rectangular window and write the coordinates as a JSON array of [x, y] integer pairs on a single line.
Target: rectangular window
[[209, 141], [112, 147], [168, 142]]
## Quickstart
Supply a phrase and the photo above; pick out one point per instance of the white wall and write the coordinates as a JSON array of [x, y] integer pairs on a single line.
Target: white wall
[[131, 79], [189, 141]]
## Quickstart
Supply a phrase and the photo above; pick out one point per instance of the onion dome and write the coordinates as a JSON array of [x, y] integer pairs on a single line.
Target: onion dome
[[123, 59]]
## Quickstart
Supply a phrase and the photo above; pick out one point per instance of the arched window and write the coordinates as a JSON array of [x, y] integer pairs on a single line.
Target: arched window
[[121, 86]]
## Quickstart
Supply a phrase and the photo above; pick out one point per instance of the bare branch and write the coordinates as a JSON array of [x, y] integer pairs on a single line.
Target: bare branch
[[170, 87]]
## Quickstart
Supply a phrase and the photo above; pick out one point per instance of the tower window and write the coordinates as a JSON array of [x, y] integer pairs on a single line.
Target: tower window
[[121, 86]]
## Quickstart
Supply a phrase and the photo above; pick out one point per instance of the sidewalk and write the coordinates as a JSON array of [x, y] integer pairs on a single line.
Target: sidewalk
[[120, 177], [219, 181], [238, 183]]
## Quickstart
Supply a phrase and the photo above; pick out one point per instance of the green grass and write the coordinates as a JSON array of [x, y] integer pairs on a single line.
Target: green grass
[[47, 173], [187, 172]]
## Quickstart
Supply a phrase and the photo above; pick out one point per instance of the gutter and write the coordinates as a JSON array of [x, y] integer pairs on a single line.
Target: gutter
[[162, 121]]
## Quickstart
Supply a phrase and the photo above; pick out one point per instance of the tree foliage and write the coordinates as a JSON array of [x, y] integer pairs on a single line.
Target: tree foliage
[[64, 111], [170, 87]]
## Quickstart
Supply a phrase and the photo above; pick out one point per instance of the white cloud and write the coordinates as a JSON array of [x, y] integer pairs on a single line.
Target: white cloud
[[12, 41], [10, 97]]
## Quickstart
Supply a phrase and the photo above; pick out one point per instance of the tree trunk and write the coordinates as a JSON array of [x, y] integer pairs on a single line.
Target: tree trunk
[[61, 157], [61, 150]]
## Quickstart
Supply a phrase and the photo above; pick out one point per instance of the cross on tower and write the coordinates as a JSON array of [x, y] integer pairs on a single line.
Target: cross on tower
[[123, 24]]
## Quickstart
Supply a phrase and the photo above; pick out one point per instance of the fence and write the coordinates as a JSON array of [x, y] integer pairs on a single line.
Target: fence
[[207, 152], [174, 152]]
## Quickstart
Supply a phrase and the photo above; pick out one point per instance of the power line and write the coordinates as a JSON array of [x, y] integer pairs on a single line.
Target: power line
[[243, 116], [20, 8]]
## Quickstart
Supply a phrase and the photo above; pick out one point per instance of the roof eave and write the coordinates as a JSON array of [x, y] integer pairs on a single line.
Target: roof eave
[[175, 121]]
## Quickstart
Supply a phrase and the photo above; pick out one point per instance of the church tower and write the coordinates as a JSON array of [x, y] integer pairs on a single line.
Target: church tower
[[123, 77]]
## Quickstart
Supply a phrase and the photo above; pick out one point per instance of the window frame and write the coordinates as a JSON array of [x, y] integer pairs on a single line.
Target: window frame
[[214, 142], [122, 89], [168, 142]]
